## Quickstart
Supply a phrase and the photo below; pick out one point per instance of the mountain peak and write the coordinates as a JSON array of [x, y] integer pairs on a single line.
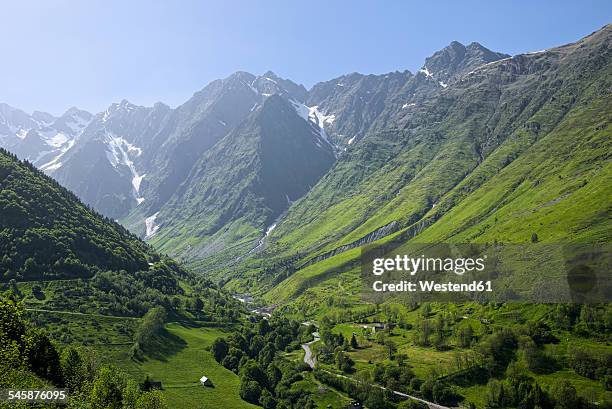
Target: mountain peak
[[124, 105], [476, 45], [43, 116], [269, 83], [160, 105], [455, 45], [456, 59], [74, 111], [241, 76], [269, 74]]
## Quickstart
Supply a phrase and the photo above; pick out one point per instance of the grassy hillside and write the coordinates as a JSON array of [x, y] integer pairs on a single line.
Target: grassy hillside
[[178, 359], [73, 287], [46, 232], [559, 189], [516, 147], [516, 152]]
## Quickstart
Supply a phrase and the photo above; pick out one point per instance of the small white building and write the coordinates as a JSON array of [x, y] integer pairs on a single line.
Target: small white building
[[204, 381]]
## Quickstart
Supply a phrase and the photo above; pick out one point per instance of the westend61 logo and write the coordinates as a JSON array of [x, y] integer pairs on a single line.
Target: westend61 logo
[[535, 272]]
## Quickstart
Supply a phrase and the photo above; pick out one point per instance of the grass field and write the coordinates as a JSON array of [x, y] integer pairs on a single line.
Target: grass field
[[323, 396], [182, 357]]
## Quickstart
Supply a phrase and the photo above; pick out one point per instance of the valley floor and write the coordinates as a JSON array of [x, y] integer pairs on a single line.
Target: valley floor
[[181, 355]]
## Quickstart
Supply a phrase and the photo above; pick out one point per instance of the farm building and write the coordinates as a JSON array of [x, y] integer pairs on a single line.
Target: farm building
[[204, 381]]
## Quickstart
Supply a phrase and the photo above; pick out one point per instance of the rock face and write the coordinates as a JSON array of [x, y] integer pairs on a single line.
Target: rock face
[[456, 59], [246, 181]]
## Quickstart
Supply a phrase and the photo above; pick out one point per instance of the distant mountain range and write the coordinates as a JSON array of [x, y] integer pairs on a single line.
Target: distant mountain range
[[255, 164], [41, 138]]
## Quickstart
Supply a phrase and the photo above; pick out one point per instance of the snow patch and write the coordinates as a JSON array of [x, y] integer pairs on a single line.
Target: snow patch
[[136, 182], [407, 105], [425, 71], [151, 227], [252, 89], [443, 84], [106, 115], [57, 140], [55, 162], [314, 116], [270, 228], [350, 141], [121, 152], [50, 167]]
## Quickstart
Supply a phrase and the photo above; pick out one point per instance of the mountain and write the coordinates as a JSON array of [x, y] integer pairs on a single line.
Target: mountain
[[157, 169], [73, 284], [511, 148], [349, 105], [379, 154], [241, 185], [269, 83], [138, 156], [115, 151], [41, 138], [276, 190], [385, 114]]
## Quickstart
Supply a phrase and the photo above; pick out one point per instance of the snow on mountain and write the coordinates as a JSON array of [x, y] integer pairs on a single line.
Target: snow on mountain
[[151, 227], [313, 116], [121, 152], [425, 71], [41, 138], [55, 163]]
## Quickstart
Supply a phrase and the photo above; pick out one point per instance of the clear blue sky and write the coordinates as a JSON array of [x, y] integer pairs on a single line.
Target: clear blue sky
[[89, 53]]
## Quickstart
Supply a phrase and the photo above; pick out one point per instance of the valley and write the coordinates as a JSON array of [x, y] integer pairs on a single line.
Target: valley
[[211, 255]]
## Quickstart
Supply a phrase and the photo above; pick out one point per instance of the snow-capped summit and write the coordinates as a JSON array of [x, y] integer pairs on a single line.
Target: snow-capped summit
[[41, 138]]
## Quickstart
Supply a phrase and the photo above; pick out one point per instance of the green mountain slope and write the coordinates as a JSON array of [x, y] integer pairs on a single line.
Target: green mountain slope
[[46, 232], [559, 189], [514, 147], [60, 255], [73, 287]]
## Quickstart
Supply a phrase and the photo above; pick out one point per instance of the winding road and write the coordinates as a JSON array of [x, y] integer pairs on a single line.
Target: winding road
[[311, 360], [309, 357]]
